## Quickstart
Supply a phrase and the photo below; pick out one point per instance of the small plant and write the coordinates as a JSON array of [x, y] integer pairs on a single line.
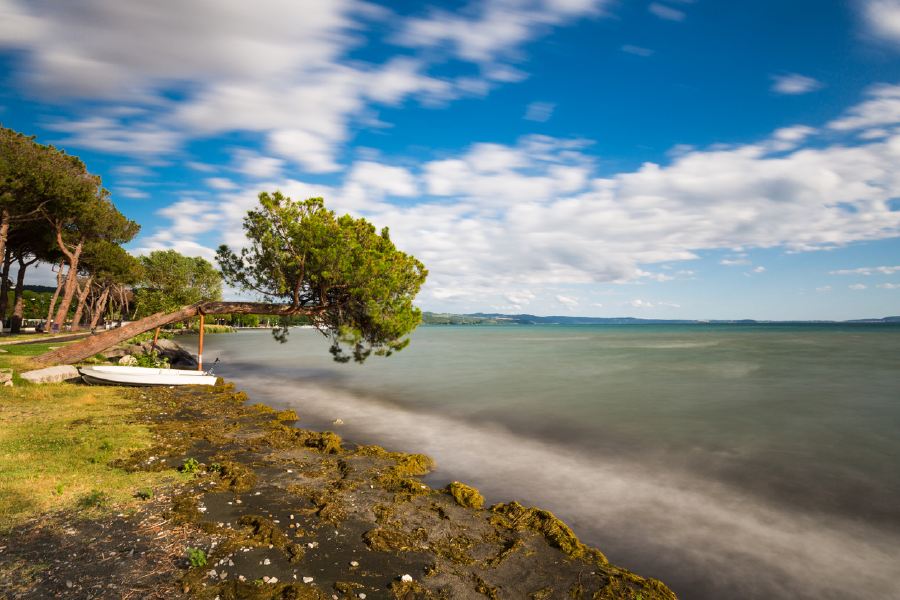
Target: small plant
[[145, 494], [190, 465], [106, 446], [197, 557], [172, 404], [95, 498], [59, 490], [258, 581], [215, 467], [151, 361]]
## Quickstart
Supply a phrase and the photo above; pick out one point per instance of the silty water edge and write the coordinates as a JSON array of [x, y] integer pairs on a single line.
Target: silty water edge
[[737, 461]]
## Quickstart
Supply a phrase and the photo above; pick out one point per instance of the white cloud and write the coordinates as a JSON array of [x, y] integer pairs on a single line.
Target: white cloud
[[504, 218], [882, 109], [672, 304], [685, 273], [734, 263], [637, 50], [520, 297], [569, 302], [794, 84], [827, 288], [867, 271], [220, 183], [665, 12], [884, 18], [596, 305], [888, 286], [857, 286], [130, 192], [759, 269], [637, 304], [491, 30], [257, 166], [539, 111]]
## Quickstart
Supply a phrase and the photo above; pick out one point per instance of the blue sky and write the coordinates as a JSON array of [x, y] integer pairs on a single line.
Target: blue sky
[[668, 159]]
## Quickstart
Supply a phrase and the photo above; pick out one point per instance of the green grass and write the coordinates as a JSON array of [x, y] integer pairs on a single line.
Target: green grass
[[55, 444], [213, 329]]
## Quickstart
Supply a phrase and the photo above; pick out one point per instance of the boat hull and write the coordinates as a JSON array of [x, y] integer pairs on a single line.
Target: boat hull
[[143, 377]]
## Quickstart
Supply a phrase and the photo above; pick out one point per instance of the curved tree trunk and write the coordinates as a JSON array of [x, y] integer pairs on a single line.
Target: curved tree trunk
[[71, 279], [59, 284], [82, 296], [18, 304], [4, 287], [101, 307], [97, 343]]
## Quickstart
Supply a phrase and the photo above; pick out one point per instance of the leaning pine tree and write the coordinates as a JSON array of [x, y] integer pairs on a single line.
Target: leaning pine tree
[[350, 280]]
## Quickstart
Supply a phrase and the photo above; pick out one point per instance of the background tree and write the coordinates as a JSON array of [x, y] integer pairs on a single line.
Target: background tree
[[119, 270], [77, 220], [349, 279], [170, 280]]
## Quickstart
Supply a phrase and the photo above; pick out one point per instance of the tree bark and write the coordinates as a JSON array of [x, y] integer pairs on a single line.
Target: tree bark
[[4, 229], [19, 304], [97, 343], [82, 296], [101, 306], [4, 288], [70, 278], [59, 284]]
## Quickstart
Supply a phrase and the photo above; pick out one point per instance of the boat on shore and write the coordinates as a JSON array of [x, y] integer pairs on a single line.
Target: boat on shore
[[142, 376]]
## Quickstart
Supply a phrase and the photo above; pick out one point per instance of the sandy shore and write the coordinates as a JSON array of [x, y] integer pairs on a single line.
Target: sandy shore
[[283, 512]]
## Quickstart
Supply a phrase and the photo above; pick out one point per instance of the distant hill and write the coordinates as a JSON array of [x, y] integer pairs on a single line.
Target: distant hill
[[430, 318], [39, 289]]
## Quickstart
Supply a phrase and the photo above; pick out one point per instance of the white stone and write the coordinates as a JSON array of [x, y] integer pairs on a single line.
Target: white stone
[[5, 375], [338, 422], [406, 578], [307, 580], [127, 360], [53, 374], [353, 563]]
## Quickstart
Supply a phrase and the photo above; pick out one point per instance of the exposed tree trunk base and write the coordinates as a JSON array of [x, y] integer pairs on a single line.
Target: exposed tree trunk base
[[98, 343]]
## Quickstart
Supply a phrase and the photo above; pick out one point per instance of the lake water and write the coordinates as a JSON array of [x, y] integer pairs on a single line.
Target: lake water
[[729, 461]]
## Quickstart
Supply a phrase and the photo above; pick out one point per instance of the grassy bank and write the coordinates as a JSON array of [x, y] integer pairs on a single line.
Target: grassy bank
[[56, 442]]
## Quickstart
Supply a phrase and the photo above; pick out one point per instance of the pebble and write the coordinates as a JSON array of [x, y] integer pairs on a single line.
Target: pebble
[[307, 580], [406, 578], [353, 563], [362, 597], [266, 562]]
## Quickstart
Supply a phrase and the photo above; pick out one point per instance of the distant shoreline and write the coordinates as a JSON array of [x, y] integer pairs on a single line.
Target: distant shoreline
[[429, 318]]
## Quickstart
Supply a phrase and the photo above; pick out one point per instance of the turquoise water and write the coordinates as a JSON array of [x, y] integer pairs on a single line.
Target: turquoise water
[[738, 461]]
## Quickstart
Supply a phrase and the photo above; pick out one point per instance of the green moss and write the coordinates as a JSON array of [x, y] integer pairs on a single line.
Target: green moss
[[184, 509], [346, 587], [483, 588], [241, 590], [541, 594], [402, 589], [515, 517], [577, 591], [465, 495], [235, 477], [383, 513], [387, 540], [414, 464], [283, 437], [511, 545], [329, 505], [453, 548], [286, 415]]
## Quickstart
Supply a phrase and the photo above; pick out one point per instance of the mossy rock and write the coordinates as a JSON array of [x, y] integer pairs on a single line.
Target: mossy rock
[[483, 588], [286, 415], [284, 437], [244, 590], [388, 540], [184, 509], [414, 464], [513, 516], [465, 495], [235, 477], [402, 590], [453, 548]]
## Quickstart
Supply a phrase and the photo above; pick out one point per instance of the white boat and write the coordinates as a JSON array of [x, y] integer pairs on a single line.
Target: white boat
[[142, 376]]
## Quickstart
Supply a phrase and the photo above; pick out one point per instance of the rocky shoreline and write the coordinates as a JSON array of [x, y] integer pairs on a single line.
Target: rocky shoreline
[[276, 511]]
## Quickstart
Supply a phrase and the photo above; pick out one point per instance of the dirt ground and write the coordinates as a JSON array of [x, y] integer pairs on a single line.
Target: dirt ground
[[275, 511]]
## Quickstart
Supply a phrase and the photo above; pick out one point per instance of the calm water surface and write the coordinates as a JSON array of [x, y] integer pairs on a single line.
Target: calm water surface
[[729, 461]]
